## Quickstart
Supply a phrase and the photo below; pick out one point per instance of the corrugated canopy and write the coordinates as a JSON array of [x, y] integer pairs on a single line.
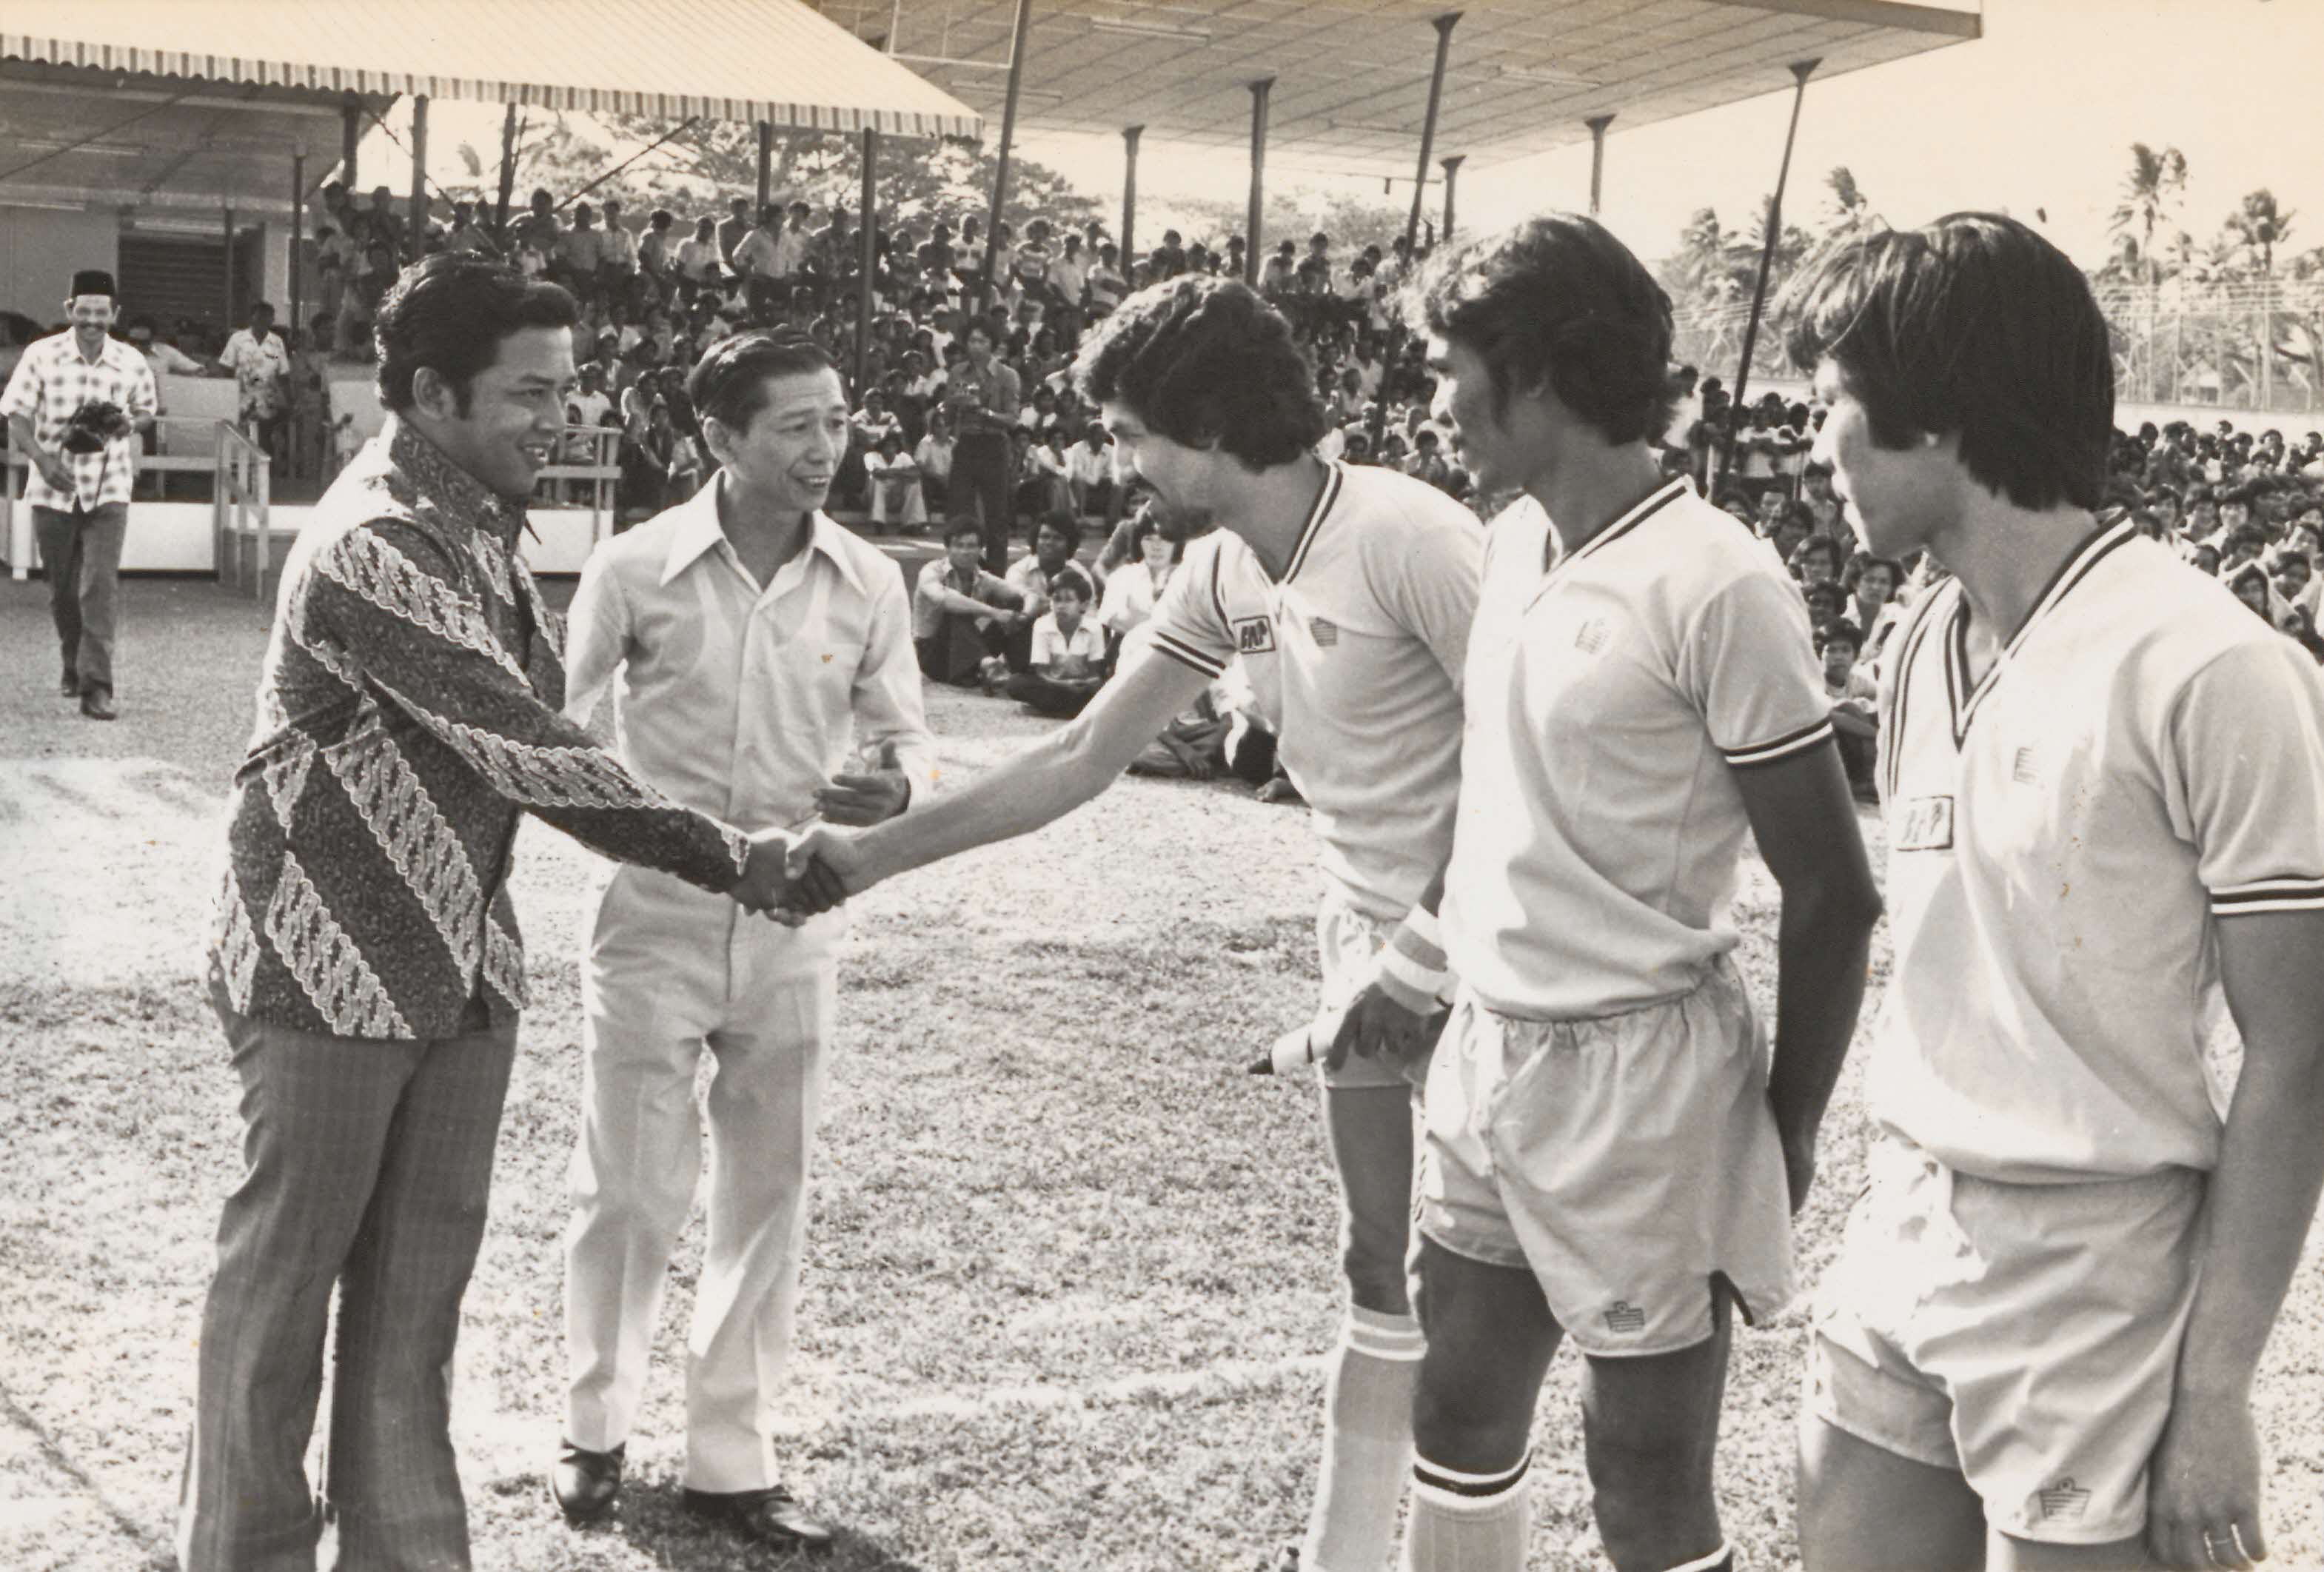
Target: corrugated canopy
[[1351, 76], [775, 60]]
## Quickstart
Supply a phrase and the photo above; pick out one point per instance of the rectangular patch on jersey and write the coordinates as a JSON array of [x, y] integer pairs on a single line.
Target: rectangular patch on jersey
[[1254, 635], [1924, 823], [1591, 637], [1327, 633]]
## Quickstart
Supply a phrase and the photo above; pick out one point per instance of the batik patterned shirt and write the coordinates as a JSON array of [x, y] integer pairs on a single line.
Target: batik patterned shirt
[[408, 712]]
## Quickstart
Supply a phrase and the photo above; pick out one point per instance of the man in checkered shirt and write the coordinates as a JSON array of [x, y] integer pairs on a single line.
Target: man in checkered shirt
[[80, 501]]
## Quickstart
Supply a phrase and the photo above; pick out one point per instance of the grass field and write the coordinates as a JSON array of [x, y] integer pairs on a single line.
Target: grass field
[[1071, 1272]]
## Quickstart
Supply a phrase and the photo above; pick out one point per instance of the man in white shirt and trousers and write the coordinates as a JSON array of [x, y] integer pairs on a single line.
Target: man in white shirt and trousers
[[749, 641]]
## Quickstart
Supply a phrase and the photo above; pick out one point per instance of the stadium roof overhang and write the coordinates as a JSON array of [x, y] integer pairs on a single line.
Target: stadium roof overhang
[[1350, 77], [201, 103]]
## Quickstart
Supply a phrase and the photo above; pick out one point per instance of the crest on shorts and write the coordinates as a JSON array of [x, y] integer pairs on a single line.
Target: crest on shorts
[[2062, 1501], [1626, 1317], [1922, 823], [1254, 635]]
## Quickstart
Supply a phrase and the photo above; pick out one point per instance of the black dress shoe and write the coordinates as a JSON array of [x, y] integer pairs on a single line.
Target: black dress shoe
[[771, 1517], [586, 1483], [69, 687], [98, 704]]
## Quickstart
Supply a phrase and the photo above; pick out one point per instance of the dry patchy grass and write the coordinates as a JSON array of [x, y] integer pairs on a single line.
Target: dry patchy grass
[[1070, 1273]]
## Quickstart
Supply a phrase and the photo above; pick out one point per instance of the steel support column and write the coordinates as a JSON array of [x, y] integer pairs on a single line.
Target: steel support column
[[870, 258], [298, 323], [1020, 34], [1596, 123], [766, 172], [1451, 167], [225, 217], [1800, 71], [1254, 220], [1129, 135], [350, 138], [418, 177], [508, 177], [1394, 353]]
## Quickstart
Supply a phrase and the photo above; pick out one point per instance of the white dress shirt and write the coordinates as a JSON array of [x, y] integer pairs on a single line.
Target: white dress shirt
[[738, 699]]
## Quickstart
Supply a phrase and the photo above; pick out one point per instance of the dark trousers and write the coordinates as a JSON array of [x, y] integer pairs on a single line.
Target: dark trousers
[[367, 1164], [956, 653], [984, 487], [80, 551], [1063, 699]]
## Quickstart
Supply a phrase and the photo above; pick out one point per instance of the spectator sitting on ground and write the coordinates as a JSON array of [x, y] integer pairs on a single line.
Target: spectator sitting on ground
[[1855, 705], [1826, 600], [1089, 472], [1816, 560], [1133, 589], [1067, 655], [894, 482], [961, 616], [1055, 538]]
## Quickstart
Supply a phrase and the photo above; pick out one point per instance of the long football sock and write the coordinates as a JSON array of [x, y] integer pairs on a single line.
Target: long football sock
[[1367, 1443], [1468, 1522]]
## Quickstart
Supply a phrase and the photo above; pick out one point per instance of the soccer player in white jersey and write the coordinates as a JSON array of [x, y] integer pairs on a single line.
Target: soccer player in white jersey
[[1611, 1160], [2105, 790], [1347, 593]]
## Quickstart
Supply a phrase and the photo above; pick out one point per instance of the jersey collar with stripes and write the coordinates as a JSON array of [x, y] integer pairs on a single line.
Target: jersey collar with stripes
[[2078, 565], [1324, 498], [1651, 504]]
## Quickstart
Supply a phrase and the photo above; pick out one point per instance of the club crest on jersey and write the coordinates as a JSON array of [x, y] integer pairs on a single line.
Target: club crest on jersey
[[1254, 635], [1626, 1317], [1924, 823], [2064, 1499], [1326, 632]]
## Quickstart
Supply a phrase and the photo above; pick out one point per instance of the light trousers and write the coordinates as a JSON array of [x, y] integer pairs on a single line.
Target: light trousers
[[672, 972]]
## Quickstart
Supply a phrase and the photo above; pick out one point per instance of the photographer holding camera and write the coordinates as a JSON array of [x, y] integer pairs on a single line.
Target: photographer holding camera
[[75, 406]]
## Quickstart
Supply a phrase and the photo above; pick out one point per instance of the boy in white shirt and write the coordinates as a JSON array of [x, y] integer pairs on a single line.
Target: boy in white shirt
[[1068, 656]]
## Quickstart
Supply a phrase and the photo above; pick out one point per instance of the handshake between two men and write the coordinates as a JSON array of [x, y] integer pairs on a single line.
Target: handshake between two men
[[797, 873]]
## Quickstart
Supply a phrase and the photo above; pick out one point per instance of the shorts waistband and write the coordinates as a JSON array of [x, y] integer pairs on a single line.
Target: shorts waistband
[[1721, 972]]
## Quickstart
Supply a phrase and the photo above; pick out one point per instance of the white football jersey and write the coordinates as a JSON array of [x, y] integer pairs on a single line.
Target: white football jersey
[[2145, 759], [1354, 659], [1610, 698]]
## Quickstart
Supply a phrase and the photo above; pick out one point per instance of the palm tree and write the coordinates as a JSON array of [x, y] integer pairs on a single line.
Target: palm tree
[[2151, 192], [1852, 215], [2258, 226]]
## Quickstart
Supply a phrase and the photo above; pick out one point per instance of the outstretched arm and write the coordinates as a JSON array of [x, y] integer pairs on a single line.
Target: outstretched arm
[[1043, 783]]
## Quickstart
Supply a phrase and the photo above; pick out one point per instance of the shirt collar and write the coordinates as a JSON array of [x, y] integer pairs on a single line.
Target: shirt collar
[[437, 480], [699, 531]]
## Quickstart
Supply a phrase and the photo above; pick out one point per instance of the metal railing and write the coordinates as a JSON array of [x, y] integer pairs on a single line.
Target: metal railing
[[241, 495], [15, 519]]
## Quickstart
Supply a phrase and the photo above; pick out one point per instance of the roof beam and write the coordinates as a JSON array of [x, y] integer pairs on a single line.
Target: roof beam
[[1875, 14]]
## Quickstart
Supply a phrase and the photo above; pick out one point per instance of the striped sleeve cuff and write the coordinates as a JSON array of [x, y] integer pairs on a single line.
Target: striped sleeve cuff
[[1775, 750], [1185, 655], [2285, 895]]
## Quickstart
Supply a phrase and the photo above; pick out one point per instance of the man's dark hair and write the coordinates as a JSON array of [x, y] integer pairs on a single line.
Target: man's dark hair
[[1558, 301], [449, 313], [729, 383], [965, 529], [1840, 631], [1062, 522], [1207, 363], [1974, 326]]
